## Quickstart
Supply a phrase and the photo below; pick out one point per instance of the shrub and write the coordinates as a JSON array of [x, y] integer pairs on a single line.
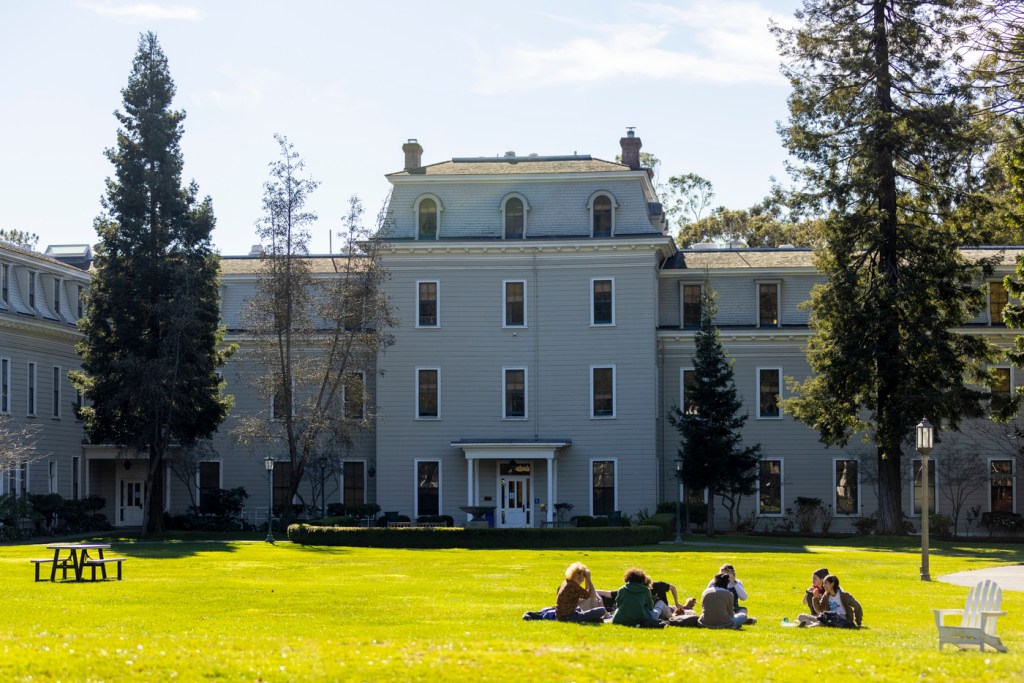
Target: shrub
[[866, 525], [664, 521], [808, 512], [940, 526], [1009, 523], [458, 537], [588, 521]]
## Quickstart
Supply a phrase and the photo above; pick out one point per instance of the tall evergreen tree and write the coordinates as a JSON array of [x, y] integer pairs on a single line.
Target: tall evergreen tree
[[710, 423], [883, 130], [150, 353]]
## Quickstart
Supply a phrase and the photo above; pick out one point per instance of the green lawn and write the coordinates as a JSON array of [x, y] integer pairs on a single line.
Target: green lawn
[[216, 610]]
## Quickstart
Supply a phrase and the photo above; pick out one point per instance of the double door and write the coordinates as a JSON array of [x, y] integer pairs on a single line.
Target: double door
[[516, 509]]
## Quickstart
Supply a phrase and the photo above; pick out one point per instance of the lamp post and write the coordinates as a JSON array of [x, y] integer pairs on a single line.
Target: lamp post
[[679, 495], [925, 443], [268, 462]]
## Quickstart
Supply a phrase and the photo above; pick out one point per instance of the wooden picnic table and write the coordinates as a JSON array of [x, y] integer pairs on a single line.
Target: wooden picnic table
[[77, 559]]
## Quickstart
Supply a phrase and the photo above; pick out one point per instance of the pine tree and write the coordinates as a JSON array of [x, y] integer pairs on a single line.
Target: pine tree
[[150, 353], [710, 422], [883, 130]]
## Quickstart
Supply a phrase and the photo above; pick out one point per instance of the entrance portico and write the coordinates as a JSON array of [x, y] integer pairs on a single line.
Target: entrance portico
[[515, 481]]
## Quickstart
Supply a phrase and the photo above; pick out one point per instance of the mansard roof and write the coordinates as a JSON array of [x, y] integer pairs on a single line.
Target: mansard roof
[[514, 165], [251, 264], [789, 258]]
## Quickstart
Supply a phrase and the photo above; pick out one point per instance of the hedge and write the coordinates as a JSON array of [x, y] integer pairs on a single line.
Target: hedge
[[490, 539]]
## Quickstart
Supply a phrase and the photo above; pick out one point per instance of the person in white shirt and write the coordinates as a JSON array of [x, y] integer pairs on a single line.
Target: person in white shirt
[[738, 591]]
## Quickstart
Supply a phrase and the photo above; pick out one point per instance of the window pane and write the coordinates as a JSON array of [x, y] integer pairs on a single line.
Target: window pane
[[209, 487], [428, 488], [769, 393], [513, 218], [770, 482], [604, 487], [282, 483], [691, 306], [428, 303], [1002, 485], [602, 216], [919, 491], [603, 302], [604, 402], [428, 393], [846, 487], [996, 302], [355, 484], [768, 304], [515, 303], [428, 219], [515, 393]]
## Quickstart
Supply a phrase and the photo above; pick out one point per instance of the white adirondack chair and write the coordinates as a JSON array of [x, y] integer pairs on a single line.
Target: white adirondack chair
[[978, 623]]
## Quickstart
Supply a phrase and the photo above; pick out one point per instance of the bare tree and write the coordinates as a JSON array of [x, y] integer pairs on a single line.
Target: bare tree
[[961, 472], [17, 443], [184, 463]]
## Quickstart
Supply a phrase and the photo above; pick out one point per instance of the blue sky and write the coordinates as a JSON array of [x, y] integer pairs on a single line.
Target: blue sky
[[349, 82]]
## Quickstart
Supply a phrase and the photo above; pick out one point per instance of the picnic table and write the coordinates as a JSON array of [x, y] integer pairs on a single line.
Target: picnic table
[[75, 556]]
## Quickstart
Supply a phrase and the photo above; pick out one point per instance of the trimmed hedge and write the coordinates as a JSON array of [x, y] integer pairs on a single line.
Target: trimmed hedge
[[489, 539]]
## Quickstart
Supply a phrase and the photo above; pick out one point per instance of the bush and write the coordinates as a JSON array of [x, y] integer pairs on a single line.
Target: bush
[[664, 521], [808, 512], [866, 525], [457, 537], [588, 521], [1009, 523], [940, 526]]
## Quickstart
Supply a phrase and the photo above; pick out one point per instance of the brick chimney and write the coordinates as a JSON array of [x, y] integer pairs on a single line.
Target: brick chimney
[[413, 154], [631, 150]]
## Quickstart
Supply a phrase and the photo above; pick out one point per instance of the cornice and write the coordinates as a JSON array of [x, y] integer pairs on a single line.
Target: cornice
[[39, 327], [506, 178], [623, 245]]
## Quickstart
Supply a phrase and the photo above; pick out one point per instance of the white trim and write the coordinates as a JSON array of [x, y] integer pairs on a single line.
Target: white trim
[[341, 477], [1013, 482], [526, 393], [614, 392], [933, 495], [504, 307], [593, 322], [590, 209], [834, 486], [52, 480], [1012, 378], [416, 383], [501, 209], [76, 477], [615, 482], [757, 393], [988, 301], [782, 489], [31, 389], [416, 486], [437, 305], [778, 303], [199, 483], [416, 214]]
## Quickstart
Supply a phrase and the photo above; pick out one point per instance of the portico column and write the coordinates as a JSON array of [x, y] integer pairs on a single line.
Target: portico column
[[551, 490], [470, 477]]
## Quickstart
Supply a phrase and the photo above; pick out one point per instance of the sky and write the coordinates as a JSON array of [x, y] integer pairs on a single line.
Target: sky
[[349, 82]]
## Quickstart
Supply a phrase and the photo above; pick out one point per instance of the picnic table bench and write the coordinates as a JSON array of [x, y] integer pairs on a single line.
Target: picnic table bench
[[77, 559]]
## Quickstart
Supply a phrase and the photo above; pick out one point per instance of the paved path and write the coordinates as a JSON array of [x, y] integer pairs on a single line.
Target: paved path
[[1009, 577]]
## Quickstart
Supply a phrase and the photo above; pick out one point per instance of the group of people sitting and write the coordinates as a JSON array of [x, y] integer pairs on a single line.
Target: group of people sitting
[[645, 603]]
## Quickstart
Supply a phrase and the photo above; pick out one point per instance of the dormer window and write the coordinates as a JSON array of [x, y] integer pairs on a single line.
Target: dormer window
[[426, 219], [32, 290], [4, 291], [602, 215], [515, 218]]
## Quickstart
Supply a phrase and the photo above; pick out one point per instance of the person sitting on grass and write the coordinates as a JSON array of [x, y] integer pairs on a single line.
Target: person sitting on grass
[[836, 607], [660, 591], [738, 592], [572, 591], [634, 604], [717, 606], [815, 590]]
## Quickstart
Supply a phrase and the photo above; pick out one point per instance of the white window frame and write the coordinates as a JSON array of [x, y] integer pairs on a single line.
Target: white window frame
[[1013, 482], [757, 393], [437, 305], [56, 296], [504, 307], [782, 488], [778, 303], [416, 214], [31, 298], [682, 387], [682, 304], [590, 210], [341, 477], [835, 494], [31, 389], [501, 208], [273, 413], [344, 396], [56, 394], [416, 485], [1013, 380], [933, 495], [988, 301], [526, 393], [5, 386], [615, 398], [593, 321], [52, 481], [590, 481], [416, 382]]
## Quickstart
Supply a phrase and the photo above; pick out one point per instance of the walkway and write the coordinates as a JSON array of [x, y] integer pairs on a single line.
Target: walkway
[[1010, 577]]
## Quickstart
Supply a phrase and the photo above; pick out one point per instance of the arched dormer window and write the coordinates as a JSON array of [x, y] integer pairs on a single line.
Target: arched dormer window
[[428, 217], [602, 214], [513, 209]]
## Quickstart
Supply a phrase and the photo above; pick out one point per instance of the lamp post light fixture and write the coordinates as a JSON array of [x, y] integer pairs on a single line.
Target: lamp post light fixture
[[268, 462], [679, 496], [925, 444]]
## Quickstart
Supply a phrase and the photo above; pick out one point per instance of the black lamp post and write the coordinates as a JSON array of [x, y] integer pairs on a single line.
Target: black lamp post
[[679, 495], [268, 462], [925, 444]]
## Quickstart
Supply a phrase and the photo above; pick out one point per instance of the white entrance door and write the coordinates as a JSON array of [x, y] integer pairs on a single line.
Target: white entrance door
[[130, 496], [516, 508]]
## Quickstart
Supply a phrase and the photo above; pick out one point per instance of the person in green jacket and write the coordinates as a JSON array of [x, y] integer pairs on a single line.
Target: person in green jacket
[[634, 603]]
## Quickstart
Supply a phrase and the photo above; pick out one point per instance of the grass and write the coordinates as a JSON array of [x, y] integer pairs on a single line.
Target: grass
[[200, 610]]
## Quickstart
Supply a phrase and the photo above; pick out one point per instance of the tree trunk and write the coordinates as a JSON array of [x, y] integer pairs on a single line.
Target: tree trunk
[[890, 486], [153, 515], [710, 525]]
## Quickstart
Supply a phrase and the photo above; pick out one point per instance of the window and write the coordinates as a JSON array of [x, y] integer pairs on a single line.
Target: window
[[282, 478], [603, 491], [1001, 485], [428, 487], [602, 391], [81, 301], [426, 219], [602, 302], [426, 303], [768, 392], [75, 478], [427, 393], [353, 483], [31, 389], [56, 392], [51, 476], [996, 302], [56, 296], [78, 404], [687, 383], [355, 396], [601, 216], [209, 487], [768, 304], [918, 491], [279, 401], [847, 481], [31, 290], [515, 223], [514, 395], [1002, 387], [5, 385], [515, 304], [769, 482], [691, 296]]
